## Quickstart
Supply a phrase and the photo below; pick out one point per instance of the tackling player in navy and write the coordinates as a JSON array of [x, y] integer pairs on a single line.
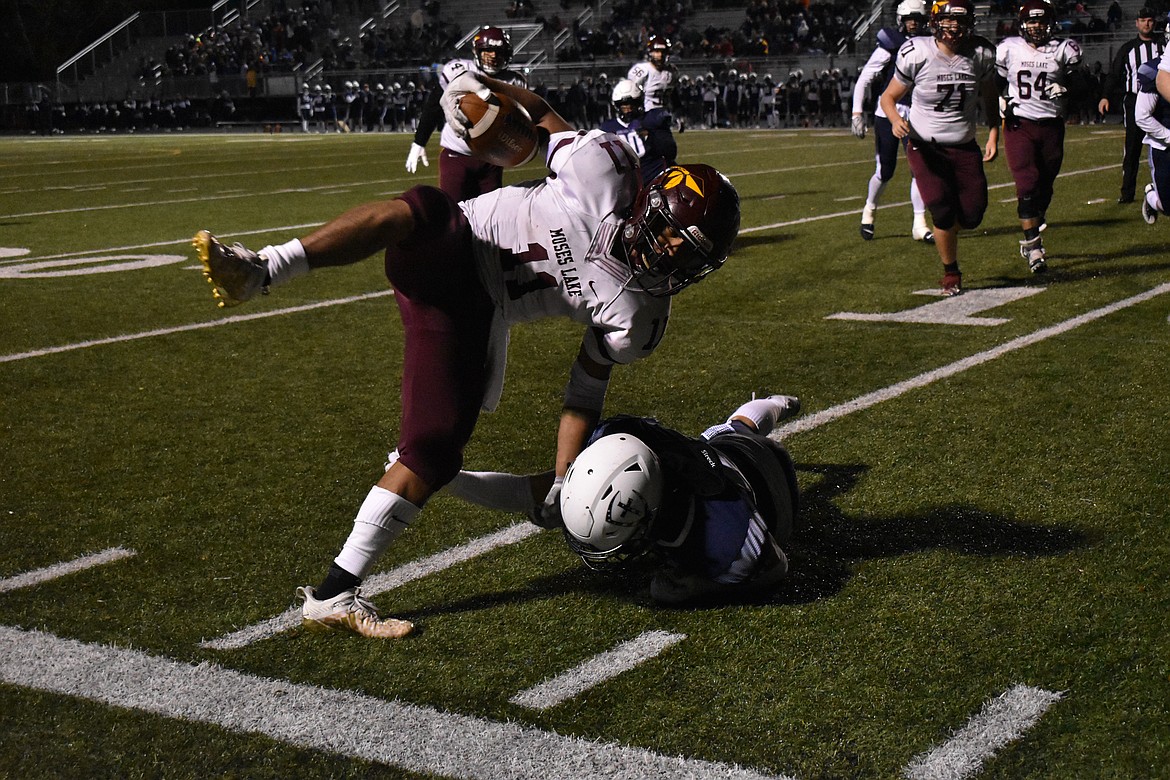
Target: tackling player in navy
[[714, 510], [878, 71], [1152, 114], [647, 132]]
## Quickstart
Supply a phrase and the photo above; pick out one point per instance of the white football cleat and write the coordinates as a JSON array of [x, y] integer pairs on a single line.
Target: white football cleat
[[1032, 250], [867, 230], [235, 273], [1149, 213], [923, 233], [348, 611]]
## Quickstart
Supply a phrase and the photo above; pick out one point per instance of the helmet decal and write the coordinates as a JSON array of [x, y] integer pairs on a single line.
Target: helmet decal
[[681, 177]]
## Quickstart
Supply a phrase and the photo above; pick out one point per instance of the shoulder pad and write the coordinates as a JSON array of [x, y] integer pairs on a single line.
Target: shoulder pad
[[890, 39]]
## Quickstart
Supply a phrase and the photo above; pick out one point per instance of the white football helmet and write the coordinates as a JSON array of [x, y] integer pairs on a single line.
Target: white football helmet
[[609, 499], [627, 98], [912, 16]]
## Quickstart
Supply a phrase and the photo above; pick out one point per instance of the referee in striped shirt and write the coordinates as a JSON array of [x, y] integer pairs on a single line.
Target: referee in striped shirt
[[1122, 79]]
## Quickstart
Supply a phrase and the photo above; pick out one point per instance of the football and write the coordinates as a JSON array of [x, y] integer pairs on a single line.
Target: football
[[501, 131]]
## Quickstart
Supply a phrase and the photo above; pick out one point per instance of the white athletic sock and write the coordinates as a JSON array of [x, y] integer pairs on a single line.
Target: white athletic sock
[[917, 204], [382, 517], [285, 262], [874, 192], [766, 412], [493, 489]]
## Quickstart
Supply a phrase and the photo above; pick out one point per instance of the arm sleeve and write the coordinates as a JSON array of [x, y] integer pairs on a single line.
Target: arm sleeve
[[1144, 117], [877, 61]]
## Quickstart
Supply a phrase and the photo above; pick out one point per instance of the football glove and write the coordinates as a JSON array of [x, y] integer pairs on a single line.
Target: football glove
[[417, 154], [458, 87], [858, 126], [1054, 91], [548, 513]]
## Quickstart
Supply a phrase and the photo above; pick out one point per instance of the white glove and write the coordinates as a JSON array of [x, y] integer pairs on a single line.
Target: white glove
[[548, 514], [417, 154], [1054, 91], [858, 127], [458, 87]]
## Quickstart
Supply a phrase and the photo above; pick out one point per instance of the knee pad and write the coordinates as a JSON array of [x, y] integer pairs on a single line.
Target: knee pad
[[969, 221], [943, 218], [1027, 208]]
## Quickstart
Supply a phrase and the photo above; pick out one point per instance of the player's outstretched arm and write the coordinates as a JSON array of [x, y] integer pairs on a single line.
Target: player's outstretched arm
[[543, 115]]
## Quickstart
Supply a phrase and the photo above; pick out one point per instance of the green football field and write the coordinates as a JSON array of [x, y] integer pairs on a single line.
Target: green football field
[[977, 578]]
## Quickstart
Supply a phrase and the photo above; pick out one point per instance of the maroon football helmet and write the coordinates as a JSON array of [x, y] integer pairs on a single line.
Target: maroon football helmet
[[492, 39], [658, 45], [943, 12], [698, 204], [1037, 21]]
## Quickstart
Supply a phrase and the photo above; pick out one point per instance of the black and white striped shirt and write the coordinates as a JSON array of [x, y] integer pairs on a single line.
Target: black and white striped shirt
[[1131, 56]]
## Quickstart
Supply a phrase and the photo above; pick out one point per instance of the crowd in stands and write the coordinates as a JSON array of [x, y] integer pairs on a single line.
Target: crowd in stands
[[726, 92], [290, 38]]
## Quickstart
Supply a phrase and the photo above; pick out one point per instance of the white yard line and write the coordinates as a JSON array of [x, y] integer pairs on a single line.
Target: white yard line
[[597, 670], [39, 576], [854, 212], [1001, 721], [380, 583], [817, 419], [232, 320], [391, 733]]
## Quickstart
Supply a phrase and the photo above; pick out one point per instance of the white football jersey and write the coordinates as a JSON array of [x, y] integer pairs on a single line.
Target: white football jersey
[[944, 101], [1145, 116], [655, 83], [448, 138], [543, 248], [1030, 70]]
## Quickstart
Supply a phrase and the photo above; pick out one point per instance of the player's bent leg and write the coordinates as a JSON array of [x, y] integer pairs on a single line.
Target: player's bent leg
[[763, 413]]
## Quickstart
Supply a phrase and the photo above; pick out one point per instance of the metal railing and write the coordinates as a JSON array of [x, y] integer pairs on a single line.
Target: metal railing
[[89, 51]]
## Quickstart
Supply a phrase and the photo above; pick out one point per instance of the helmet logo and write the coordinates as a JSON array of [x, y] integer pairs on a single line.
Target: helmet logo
[[627, 510], [677, 177], [700, 240]]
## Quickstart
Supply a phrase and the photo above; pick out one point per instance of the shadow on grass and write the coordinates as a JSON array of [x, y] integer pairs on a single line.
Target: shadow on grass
[[1076, 267], [757, 239], [826, 546], [828, 543]]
